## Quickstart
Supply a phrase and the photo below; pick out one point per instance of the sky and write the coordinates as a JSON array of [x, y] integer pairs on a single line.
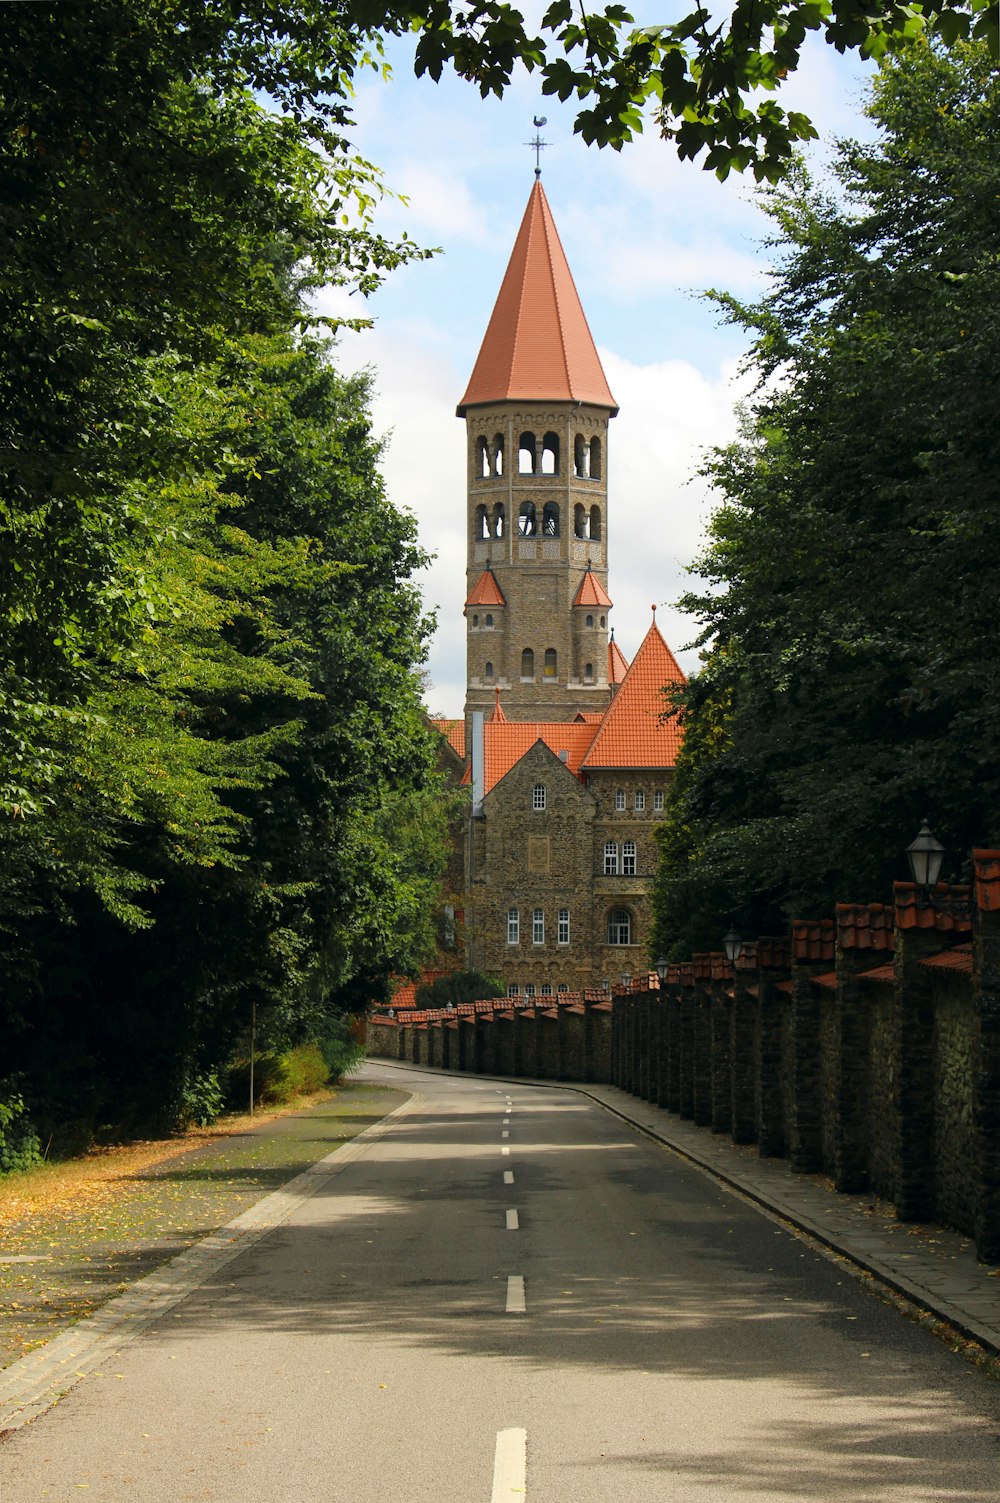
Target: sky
[[645, 235]]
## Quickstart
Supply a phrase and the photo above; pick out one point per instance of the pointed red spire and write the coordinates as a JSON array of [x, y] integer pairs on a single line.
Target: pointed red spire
[[633, 732], [498, 717], [538, 346]]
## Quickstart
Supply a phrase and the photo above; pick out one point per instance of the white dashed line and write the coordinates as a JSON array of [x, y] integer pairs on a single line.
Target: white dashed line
[[508, 1176], [509, 1466], [505, 1150], [505, 1134], [515, 1294], [513, 1225]]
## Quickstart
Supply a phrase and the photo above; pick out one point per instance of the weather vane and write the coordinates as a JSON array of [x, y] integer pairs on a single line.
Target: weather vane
[[538, 144]]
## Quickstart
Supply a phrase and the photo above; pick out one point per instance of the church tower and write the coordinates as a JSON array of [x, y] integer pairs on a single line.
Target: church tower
[[537, 409]]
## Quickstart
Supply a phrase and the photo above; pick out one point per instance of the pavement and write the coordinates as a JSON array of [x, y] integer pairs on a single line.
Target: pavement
[[931, 1266]]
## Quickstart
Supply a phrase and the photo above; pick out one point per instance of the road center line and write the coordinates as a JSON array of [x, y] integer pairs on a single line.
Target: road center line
[[513, 1225], [509, 1466], [505, 1134], [515, 1294], [505, 1150], [506, 1121], [508, 1176]]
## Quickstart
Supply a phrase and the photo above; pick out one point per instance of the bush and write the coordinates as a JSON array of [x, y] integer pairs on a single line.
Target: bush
[[459, 986], [278, 1077], [201, 1100], [20, 1148], [340, 1049]]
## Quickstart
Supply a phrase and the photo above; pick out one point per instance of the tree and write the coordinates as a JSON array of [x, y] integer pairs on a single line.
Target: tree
[[851, 686]]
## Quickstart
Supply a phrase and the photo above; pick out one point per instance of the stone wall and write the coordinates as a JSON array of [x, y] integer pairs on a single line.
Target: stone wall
[[868, 1048]]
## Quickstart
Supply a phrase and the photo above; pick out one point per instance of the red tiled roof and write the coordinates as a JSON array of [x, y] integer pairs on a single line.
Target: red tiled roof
[[591, 591], [633, 732], [865, 926], [958, 958], [617, 663], [486, 590], [879, 973], [537, 346], [986, 865], [946, 911], [498, 717], [813, 941], [453, 732], [827, 979], [589, 717], [773, 953], [507, 741]]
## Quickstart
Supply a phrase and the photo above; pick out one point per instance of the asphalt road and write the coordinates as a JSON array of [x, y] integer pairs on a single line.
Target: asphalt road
[[674, 1344]]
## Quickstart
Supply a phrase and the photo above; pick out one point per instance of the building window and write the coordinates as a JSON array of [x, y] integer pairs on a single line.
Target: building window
[[620, 800], [639, 802], [588, 673], [529, 989], [628, 858], [489, 620], [513, 990], [611, 858], [658, 801], [619, 927], [513, 926], [562, 931], [475, 622], [549, 670], [590, 620], [538, 796], [546, 989], [562, 987], [489, 670], [527, 663], [538, 926]]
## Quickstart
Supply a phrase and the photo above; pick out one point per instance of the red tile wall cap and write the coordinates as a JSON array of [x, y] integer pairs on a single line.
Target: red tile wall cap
[[783, 986], [721, 969], [486, 590], [946, 912], [701, 965], [537, 345], [879, 973], [634, 732], [957, 958], [748, 956], [865, 926], [825, 978], [813, 940], [986, 869], [773, 952]]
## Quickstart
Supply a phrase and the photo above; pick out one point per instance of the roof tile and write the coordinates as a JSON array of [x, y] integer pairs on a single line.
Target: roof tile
[[453, 732], [633, 732], [957, 958], [507, 741], [537, 345], [591, 591], [986, 868], [617, 662], [486, 590], [865, 926], [812, 941], [946, 911]]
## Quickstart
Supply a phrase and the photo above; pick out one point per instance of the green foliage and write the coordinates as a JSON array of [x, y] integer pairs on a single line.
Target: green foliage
[[202, 1100], [851, 686], [458, 986], [342, 1053], [20, 1147]]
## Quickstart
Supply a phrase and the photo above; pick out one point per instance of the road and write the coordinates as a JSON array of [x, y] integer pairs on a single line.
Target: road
[[510, 1296]]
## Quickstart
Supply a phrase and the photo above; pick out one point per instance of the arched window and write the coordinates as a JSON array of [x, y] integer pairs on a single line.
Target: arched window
[[550, 519], [513, 926], [580, 521], [498, 454], [527, 663], [619, 799], [581, 456], [527, 521], [595, 523], [628, 858], [619, 927], [482, 522], [595, 459], [550, 669], [550, 454], [562, 987], [489, 670], [546, 989], [538, 926], [529, 991], [475, 622], [513, 990], [527, 455], [538, 796], [482, 459], [499, 520], [590, 620], [604, 621], [611, 858], [588, 673], [489, 621]]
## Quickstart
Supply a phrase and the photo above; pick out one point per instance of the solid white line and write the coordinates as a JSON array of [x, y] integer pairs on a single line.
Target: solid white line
[[509, 1466], [515, 1294], [505, 1150], [508, 1176], [513, 1224]]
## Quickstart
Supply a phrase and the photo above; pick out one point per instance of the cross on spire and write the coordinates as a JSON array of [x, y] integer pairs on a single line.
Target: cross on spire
[[538, 145]]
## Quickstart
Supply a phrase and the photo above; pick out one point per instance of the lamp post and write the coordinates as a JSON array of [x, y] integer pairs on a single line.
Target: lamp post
[[733, 946], [925, 855], [662, 966], [626, 979]]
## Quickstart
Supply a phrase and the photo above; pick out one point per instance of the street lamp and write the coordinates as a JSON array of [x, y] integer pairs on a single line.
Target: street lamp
[[925, 855], [662, 966], [391, 1013], [626, 979], [733, 946]]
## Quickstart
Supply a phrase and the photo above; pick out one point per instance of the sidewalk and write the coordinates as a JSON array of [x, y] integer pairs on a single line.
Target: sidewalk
[[933, 1267]]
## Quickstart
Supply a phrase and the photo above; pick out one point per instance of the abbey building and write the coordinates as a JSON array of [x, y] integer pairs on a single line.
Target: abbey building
[[566, 754]]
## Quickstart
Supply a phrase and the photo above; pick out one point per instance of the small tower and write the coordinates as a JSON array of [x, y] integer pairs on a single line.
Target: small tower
[[537, 410]]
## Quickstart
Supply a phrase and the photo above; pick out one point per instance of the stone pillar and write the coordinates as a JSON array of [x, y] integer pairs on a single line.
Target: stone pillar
[[742, 1021], [720, 1004], [661, 1004], [572, 1042], [913, 1058], [864, 937], [599, 1038], [773, 957], [813, 951], [685, 1051], [640, 1001], [986, 1075], [701, 1085]]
